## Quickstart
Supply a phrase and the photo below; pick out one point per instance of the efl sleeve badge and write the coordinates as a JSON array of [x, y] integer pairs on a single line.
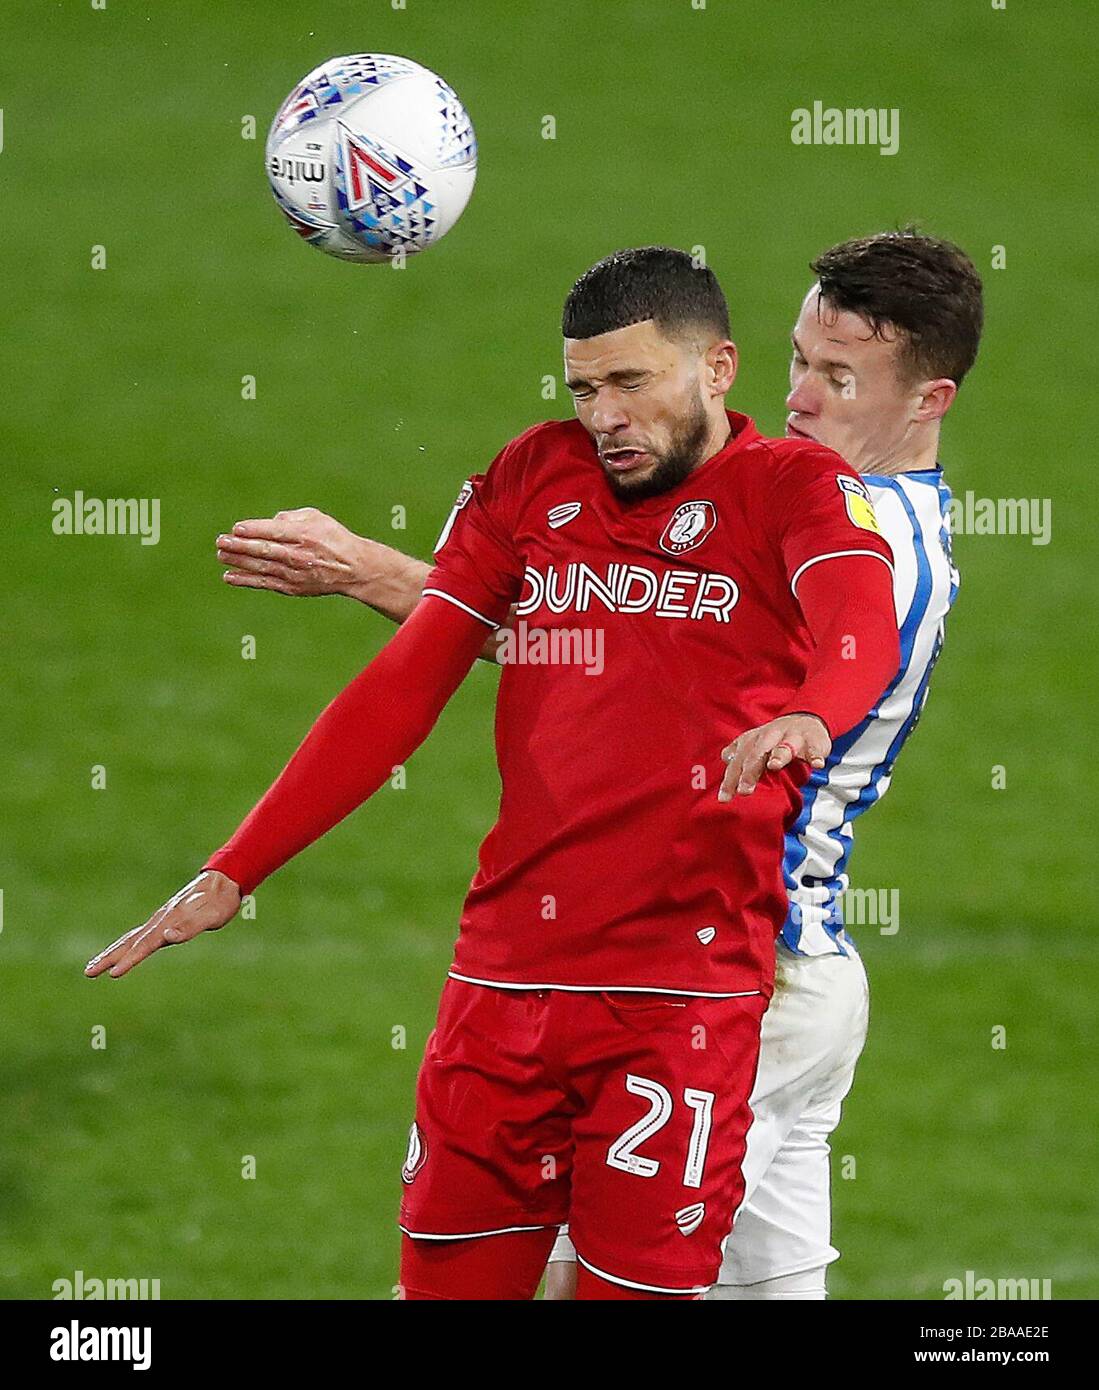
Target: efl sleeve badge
[[860, 509], [465, 492]]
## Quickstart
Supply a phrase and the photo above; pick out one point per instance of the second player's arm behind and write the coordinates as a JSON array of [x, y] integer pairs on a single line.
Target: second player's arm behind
[[305, 554]]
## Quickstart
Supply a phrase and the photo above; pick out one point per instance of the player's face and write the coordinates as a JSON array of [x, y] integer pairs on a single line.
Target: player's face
[[845, 390], [648, 403]]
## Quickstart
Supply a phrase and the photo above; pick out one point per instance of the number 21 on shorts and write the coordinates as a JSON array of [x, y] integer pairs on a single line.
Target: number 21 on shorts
[[623, 1154]]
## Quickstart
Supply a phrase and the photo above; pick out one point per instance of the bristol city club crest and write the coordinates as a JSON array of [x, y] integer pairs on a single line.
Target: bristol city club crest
[[688, 527]]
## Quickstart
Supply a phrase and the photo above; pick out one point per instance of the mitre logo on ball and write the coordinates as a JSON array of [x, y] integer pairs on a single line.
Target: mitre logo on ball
[[689, 526]]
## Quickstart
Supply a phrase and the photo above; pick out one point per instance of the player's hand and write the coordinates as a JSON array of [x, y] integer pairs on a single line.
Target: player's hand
[[771, 747], [204, 904], [303, 552]]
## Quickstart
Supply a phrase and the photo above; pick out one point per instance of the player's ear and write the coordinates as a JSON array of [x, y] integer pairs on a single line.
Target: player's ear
[[721, 367], [935, 399]]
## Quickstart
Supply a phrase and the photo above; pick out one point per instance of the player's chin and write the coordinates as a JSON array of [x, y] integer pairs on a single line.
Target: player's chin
[[632, 482]]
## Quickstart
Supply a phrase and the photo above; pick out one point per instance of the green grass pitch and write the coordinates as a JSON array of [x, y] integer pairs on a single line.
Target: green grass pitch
[[380, 389]]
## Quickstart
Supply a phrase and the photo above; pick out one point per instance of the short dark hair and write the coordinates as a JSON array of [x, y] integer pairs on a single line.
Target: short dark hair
[[646, 282], [927, 290]]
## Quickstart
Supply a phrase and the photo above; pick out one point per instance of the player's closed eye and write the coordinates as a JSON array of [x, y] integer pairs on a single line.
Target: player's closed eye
[[586, 394]]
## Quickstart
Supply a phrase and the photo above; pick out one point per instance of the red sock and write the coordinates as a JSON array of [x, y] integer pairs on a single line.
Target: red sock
[[505, 1267]]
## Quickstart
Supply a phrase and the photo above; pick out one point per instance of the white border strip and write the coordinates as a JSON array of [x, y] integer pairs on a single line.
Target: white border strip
[[439, 593], [831, 555], [607, 989], [474, 1235], [645, 1288]]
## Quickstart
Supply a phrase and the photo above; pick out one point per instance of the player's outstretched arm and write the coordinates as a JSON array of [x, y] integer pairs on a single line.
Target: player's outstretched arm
[[376, 723], [306, 553]]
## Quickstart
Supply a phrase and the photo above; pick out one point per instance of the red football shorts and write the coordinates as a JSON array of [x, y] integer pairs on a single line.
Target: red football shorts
[[623, 1114]]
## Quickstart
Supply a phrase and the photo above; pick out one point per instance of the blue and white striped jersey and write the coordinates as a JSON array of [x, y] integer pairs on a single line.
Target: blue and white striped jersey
[[912, 513]]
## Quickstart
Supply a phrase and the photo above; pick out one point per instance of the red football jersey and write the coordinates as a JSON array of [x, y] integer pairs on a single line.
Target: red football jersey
[[650, 634]]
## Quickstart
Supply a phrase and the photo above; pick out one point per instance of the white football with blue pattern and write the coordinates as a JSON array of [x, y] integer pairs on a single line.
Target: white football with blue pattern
[[372, 157]]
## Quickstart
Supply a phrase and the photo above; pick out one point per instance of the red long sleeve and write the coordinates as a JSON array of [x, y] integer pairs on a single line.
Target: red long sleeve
[[847, 602], [378, 721]]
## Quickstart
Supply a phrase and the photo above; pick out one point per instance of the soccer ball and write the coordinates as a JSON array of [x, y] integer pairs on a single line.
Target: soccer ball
[[372, 157]]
